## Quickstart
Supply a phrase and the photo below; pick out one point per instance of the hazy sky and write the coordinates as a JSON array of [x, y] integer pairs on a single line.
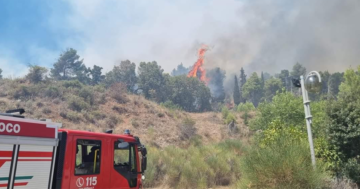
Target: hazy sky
[[260, 35]]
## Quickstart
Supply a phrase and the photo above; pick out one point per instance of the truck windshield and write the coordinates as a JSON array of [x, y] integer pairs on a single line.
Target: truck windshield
[[124, 156]]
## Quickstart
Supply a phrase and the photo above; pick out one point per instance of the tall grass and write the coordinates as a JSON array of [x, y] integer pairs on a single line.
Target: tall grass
[[285, 163], [194, 167]]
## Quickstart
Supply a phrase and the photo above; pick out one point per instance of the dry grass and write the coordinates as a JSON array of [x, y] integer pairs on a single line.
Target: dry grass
[[134, 112]]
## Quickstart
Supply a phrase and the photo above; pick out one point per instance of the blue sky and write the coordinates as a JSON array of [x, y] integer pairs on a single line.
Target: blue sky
[[37, 31], [256, 34], [26, 32]]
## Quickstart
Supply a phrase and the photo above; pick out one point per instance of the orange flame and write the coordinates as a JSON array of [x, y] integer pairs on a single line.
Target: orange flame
[[198, 65]]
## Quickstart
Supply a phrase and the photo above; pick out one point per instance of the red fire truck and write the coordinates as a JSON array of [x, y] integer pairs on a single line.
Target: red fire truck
[[37, 154]]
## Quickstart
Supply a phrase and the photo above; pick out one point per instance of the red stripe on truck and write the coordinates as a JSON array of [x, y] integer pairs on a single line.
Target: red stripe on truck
[[6, 153], [26, 154]]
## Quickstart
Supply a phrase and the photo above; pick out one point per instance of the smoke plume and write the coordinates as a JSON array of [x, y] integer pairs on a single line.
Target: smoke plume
[[274, 35]]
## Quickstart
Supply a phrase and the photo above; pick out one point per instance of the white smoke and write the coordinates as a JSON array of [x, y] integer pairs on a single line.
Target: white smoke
[[260, 35]]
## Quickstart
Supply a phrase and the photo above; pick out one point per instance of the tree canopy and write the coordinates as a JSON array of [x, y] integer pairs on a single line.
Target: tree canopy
[[36, 73], [252, 90], [272, 86], [151, 80], [123, 73], [189, 93], [96, 75], [69, 66], [345, 123]]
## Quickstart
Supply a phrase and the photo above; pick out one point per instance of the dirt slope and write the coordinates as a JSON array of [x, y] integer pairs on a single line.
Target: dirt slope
[[148, 120]]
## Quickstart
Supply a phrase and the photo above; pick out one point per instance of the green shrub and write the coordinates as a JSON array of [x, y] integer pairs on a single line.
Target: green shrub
[[53, 92], [351, 170], [247, 107], [98, 115], [24, 92], [230, 118], [87, 94], [170, 105], [225, 112], [285, 107], [89, 117], [283, 163], [77, 104], [73, 116], [72, 84]]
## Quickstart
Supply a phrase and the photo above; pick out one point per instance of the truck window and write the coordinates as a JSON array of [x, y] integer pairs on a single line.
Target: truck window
[[125, 161], [88, 155]]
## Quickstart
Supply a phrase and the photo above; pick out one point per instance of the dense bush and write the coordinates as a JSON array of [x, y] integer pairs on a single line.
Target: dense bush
[[36, 73], [351, 170], [344, 130], [283, 163], [24, 92], [73, 84], [77, 103], [72, 116], [230, 118], [285, 107], [52, 91], [87, 94], [245, 107]]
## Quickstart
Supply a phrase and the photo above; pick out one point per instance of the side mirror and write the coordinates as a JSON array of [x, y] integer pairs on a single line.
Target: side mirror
[[143, 151], [143, 164], [144, 158]]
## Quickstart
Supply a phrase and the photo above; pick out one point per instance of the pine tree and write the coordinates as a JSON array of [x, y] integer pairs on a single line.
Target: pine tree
[[236, 95], [242, 83], [262, 79]]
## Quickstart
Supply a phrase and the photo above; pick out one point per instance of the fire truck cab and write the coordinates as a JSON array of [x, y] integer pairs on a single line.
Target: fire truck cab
[[37, 154]]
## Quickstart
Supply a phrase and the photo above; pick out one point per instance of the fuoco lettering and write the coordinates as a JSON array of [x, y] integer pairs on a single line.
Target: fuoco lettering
[[9, 128]]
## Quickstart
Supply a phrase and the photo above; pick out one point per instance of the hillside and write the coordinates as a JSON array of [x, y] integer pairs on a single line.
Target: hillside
[[96, 108]]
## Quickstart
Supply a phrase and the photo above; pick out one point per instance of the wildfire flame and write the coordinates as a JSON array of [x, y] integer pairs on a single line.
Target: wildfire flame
[[198, 65]]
